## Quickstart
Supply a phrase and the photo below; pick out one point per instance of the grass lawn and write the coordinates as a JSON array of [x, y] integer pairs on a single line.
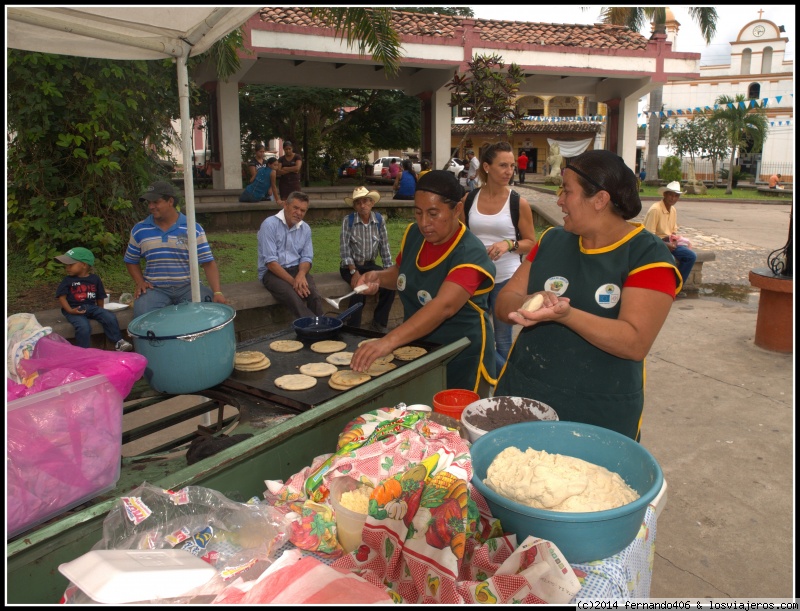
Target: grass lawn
[[719, 193], [235, 254]]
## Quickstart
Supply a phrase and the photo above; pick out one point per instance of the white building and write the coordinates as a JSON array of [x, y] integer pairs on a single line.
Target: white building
[[759, 71]]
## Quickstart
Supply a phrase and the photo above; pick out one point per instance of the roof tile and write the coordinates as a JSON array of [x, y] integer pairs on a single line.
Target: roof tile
[[597, 36]]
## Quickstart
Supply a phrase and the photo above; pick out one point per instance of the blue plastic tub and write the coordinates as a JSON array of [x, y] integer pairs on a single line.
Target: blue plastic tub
[[581, 537]]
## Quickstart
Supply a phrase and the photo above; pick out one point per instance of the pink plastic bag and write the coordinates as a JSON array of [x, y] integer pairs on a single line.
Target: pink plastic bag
[[53, 352]]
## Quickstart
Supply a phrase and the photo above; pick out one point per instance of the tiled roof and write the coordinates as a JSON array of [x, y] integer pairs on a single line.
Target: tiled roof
[[597, 36], [533, 128]]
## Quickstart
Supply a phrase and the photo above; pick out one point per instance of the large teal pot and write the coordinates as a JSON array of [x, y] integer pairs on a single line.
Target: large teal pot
[[189, 347]]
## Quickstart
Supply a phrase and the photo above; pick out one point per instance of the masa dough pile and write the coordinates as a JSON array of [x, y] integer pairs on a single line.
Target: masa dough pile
[[556, 482]]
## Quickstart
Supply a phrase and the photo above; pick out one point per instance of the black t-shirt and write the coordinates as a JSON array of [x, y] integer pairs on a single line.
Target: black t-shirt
[[81, 291]]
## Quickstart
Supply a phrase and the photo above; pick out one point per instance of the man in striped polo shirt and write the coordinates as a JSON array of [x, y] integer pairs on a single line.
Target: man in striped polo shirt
[[162, 241]]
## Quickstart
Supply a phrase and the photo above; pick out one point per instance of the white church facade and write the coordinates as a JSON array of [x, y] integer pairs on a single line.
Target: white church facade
[[760, 72]]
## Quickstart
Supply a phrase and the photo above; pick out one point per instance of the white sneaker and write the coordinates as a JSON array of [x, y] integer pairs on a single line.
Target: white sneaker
[[123, 346]]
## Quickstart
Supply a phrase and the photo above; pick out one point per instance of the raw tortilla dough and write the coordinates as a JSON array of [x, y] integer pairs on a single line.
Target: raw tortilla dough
[[556, 482]]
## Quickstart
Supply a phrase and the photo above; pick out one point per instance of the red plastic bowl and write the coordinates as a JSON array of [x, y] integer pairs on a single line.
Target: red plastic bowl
[[453, 401]]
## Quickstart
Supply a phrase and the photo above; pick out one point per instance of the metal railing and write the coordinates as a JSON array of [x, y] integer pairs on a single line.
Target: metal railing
[[704, 171]]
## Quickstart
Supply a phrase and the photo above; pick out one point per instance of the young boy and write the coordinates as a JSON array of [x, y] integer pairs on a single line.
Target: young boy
[[81, 295]]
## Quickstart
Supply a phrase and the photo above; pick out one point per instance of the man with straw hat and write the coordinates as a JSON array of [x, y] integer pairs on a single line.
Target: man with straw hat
[[662, 220], [363, 238]]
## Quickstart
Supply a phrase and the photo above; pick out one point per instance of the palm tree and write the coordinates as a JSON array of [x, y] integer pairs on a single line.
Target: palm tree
[[743, 125], [635, 17], [373, 29]]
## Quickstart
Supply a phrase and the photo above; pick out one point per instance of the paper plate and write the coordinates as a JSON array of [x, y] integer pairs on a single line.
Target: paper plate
[[113, 576], [115, 306]]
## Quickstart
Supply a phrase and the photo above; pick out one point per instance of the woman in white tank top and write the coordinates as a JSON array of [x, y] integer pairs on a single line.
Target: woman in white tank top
[[490, 220]]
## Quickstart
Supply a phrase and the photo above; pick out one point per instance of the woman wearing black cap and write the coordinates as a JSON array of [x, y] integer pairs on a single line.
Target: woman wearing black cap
[[443, 276], [607, 286], [289, 171]]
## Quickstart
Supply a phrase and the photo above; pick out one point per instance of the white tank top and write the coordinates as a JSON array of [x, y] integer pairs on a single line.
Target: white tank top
[[491, 228]]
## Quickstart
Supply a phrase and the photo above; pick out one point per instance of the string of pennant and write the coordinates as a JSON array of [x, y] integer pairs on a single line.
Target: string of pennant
[[698, 110], [785, 123], [582, 119]]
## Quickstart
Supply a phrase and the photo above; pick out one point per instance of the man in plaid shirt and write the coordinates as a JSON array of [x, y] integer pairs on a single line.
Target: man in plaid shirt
[[363, 238]]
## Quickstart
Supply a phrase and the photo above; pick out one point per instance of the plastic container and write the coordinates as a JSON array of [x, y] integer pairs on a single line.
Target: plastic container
[[349, 523], [452, 402], [581, 537], [119, 576], [64, 448], [535, 410]]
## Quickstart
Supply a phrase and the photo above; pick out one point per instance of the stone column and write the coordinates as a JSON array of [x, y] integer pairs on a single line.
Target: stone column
[[230, 148], [441, 128]]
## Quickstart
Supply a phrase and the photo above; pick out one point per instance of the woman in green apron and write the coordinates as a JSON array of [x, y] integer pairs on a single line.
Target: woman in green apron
[[607, 285], [443, 276]]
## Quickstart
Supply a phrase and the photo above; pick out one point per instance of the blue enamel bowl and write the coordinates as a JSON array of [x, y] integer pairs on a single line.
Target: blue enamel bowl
[[581, 537]]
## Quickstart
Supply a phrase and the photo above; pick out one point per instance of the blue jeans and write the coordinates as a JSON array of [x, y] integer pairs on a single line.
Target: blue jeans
[[502, 331], [684, 260], [160, 297], [83, 327]]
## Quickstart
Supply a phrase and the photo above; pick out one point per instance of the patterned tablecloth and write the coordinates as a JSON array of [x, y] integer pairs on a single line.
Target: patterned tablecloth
[[625, 575]]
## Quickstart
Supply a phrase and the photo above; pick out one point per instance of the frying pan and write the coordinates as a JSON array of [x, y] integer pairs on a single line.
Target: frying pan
[[318, 328]]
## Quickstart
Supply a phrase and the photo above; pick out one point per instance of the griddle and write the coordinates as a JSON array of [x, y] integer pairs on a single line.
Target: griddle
[[262, 383]]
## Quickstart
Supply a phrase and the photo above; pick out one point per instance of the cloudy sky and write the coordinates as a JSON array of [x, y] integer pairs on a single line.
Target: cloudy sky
[[730, 22]]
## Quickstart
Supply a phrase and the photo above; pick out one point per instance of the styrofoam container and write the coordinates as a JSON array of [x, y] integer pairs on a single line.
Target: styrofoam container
[[580, 536], [64, 448], [536, 409], [118, 576]]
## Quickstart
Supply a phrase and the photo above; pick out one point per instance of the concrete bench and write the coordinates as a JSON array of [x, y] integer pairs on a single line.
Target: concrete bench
[[695, 278], [257, 311], [785, 192]]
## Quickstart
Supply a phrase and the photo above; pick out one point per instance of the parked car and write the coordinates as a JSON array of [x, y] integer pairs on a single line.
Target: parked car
[[455, 165], [382, 164]]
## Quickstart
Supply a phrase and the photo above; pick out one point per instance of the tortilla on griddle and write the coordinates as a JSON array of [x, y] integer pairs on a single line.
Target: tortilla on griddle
[[340, 358], [295, 381], [328, 346], [409, 353], [318, 370], [286, 345]]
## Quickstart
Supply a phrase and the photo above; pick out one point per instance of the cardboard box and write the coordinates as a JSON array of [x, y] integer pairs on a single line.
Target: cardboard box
[[64, 448]]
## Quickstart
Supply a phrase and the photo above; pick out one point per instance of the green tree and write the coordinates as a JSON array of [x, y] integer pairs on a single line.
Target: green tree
[[486, 93], [86, 135], [671, 170], [687, 141], [746, 126], [374, 119], [635, 17], [714, 141], [371, 27]]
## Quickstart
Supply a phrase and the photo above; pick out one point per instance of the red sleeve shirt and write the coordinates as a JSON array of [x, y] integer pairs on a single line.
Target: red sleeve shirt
[[469, 278], [653, 278]]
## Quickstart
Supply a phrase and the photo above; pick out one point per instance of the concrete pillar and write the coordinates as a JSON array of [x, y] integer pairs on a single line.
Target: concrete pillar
[[230, 149], [441, 128], [546, 102], [626, 141], [581, 104]]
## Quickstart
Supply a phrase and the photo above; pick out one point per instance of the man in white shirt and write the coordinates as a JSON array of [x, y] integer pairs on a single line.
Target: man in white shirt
[[285, 254], [472, 170]]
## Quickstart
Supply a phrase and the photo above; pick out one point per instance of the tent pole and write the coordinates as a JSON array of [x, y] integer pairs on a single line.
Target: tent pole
[[188, 182]]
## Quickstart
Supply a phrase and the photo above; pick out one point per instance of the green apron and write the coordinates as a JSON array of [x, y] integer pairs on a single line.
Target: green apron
[[553, 364], [417, 285]]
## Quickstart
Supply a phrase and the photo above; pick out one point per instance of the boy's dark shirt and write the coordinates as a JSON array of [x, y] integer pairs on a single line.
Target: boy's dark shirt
[[80, 291]]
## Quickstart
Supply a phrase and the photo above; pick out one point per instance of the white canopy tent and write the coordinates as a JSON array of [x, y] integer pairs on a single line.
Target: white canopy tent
[[144, 32]]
